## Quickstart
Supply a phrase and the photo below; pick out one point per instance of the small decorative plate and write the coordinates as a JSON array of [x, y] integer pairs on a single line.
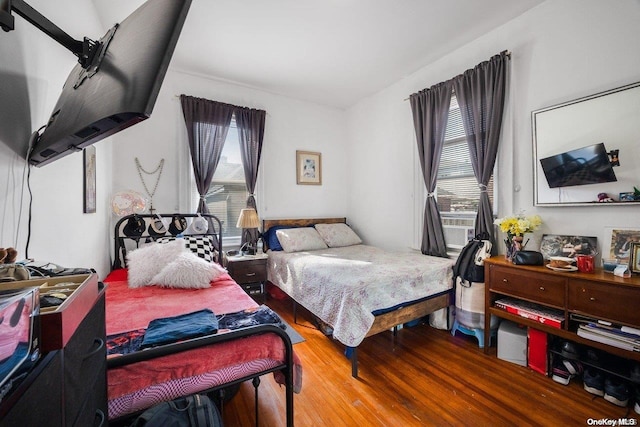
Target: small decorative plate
[[567, 268]]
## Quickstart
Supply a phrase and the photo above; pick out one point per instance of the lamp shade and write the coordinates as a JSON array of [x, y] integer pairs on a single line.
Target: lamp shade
[[248, 219]]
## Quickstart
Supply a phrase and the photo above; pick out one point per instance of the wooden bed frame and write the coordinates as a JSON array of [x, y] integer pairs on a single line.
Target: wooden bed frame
[[383, 322]]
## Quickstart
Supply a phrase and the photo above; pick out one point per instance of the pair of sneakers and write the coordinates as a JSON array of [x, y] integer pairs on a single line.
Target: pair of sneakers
[[566, 369], [613, 389]]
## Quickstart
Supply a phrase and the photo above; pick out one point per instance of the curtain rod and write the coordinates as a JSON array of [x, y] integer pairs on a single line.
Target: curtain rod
[[506, 52]]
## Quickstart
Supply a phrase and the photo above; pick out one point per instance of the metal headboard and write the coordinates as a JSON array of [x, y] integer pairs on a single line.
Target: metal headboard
[[122, 242]]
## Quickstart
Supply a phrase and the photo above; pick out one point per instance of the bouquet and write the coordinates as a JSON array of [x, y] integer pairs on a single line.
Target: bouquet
[[515, 227]]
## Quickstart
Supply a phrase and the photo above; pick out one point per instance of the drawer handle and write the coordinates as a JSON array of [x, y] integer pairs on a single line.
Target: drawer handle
[[100, 343], [542, 288], [251, 274], [505, 280], [592, 299]]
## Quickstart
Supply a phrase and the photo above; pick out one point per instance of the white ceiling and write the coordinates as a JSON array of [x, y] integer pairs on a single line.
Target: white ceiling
[[332, 52]]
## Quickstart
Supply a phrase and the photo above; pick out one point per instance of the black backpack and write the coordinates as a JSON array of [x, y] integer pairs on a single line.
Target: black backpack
[[470, 263], [196, 410]]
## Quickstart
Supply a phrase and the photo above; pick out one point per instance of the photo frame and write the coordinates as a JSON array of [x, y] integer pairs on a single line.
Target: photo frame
[[627, 197], [89, 186], [308, 168], [634, 260], [568, 246], [619, 243]]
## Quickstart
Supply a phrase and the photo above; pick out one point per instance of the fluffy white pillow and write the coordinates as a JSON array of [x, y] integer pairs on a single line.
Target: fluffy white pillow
[[187, 271], [144, 263], [338, 235], [300, 239]]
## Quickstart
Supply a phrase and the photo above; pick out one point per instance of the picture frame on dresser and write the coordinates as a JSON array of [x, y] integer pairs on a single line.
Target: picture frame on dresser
[[619, 240], [634, 260]]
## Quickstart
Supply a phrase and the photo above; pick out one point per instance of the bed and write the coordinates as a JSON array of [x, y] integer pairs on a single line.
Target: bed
[[356, 289], [145, 285]]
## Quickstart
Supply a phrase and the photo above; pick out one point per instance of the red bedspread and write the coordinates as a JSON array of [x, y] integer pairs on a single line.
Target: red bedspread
[[128, 309]]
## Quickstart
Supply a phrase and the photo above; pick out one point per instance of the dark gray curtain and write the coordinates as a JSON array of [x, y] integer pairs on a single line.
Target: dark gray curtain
[[430, 108], [481, 93], [250, 123], [207, 126]]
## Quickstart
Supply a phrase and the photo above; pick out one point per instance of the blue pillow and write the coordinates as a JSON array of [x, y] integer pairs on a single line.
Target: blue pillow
[[271, 238]]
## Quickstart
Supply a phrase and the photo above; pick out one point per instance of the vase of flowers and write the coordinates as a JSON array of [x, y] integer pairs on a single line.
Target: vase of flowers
[[516, 227]]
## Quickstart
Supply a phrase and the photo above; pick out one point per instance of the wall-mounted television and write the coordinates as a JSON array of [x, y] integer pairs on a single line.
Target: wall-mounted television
[[113, 87], [582, 166]]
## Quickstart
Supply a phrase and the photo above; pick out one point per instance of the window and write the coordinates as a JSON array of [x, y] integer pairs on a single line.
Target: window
[[457, 190], [227, 193]]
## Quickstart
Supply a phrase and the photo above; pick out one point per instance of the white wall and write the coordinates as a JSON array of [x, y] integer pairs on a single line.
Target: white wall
[[290, 125], [561, 50], [38, 66]]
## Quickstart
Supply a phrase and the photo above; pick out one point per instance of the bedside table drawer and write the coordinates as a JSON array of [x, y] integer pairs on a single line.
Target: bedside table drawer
[[542, 288], [248, 271]]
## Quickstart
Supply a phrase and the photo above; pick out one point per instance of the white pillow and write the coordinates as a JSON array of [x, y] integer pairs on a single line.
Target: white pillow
[[187, 271], [300, 239], [338, 235], [147, 261]]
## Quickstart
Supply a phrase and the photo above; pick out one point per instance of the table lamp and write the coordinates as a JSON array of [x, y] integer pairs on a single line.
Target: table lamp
[[248, 220]]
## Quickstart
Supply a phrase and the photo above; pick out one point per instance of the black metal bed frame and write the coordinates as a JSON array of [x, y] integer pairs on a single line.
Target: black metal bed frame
[[120, 249], [215, 230]]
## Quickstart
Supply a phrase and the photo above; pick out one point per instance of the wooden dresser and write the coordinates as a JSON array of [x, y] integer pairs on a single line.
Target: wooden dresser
[[598, 295]]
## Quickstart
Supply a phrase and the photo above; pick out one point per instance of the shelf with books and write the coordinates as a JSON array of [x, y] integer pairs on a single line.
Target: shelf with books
[[550, 301]]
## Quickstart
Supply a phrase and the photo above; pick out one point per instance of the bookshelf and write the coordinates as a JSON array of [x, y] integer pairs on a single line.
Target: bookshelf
[[598, 295]]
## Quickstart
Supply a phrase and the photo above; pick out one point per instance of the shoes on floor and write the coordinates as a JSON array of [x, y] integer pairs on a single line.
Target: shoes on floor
[[616, 391], [636, 406], [634, 375], [564, 370], [570, 350], [593, 381]]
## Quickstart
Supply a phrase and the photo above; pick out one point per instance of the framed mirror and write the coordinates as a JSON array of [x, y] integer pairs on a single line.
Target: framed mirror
[[586, 147]]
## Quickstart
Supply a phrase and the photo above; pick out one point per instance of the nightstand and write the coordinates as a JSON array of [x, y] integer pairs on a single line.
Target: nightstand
[[250, 271]]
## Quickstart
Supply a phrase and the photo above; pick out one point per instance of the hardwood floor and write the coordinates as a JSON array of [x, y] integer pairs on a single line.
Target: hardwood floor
[[421, 377]]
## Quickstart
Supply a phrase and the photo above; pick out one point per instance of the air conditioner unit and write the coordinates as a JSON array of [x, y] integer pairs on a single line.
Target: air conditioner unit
[[457, 232]]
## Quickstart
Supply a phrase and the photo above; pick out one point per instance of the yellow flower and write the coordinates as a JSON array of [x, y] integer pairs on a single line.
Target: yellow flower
[[518, 225]]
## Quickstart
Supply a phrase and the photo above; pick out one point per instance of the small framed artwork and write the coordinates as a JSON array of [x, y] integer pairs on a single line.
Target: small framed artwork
[[568, 246], [627, 197], [620, 243], [634, 261], [89, 155], [308, 168]]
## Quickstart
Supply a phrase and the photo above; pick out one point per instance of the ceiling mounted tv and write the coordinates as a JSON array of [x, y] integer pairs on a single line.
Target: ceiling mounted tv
[[116, 84], [582, 166]]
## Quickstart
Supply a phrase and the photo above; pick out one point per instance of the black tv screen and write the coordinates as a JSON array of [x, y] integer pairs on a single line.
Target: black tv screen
[[587, 165], [120, 87]]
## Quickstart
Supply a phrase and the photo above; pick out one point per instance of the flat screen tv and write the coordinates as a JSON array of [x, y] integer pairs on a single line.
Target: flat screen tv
[[582, 166], [120, 85]]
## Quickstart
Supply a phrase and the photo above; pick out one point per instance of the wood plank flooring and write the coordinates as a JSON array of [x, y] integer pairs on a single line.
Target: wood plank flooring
[[421, 377]]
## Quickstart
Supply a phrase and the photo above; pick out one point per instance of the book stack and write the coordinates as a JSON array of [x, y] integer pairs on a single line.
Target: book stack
[[624, 337], [544, 315]]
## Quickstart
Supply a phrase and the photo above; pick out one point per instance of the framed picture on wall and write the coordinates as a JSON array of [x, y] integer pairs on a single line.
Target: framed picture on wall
[[308, 168], [89, 186]]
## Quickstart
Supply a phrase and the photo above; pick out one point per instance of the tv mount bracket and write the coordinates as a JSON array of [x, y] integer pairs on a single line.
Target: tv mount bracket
[[85, 50]]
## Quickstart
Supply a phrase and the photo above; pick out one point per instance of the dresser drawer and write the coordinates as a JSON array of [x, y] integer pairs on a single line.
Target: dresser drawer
[[605, 301], [248, 271], [541, 288]]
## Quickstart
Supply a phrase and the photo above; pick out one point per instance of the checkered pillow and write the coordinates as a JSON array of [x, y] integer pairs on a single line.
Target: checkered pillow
[[202, 246]]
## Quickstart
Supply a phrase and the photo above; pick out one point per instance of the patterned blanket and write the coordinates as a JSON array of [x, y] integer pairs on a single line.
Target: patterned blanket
[[343, 286]]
